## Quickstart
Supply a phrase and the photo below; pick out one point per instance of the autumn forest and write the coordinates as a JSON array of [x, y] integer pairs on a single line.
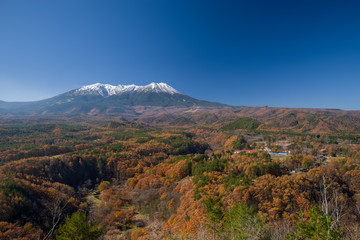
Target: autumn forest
[[236, 178]]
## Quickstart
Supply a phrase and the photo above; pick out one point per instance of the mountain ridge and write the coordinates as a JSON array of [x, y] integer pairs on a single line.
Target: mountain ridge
[[159, 103], [106, 99], [107, 90]]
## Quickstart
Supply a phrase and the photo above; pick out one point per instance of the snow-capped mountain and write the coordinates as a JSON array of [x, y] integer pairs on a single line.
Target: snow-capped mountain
[[107, 90], [107, 99]]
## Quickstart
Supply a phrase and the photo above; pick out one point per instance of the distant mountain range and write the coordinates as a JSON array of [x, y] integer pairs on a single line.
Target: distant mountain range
[[100, 99], [161, 103]]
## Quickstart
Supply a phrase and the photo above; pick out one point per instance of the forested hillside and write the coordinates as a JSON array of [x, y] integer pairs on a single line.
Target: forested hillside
[[229, 179]]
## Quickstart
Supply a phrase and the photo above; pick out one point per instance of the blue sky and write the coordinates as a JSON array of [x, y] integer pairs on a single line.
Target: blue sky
[[252, 53]]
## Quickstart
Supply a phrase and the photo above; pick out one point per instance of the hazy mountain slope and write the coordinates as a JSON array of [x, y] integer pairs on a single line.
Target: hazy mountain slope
[[315, 121], [291, 119]]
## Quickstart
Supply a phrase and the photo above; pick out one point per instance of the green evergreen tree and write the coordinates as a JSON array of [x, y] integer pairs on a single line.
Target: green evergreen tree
[[315, 226], [214, 213], [78, 227], [242, 222]]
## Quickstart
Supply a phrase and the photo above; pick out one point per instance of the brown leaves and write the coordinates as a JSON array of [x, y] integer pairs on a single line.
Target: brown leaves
[[10, 231]]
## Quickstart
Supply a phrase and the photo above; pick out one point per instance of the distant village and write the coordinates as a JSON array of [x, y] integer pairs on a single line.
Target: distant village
[[321, 157], [265, 148]]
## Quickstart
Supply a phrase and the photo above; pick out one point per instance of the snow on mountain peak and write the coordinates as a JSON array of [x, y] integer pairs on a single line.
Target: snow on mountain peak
[[96, 89], [106, 90], [158, 87]]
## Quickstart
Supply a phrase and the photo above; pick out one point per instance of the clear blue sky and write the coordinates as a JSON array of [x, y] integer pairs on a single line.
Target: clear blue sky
[[253, 53]]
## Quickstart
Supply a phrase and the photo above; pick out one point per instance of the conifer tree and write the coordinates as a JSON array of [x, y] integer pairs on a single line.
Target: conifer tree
[[78, 227]]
